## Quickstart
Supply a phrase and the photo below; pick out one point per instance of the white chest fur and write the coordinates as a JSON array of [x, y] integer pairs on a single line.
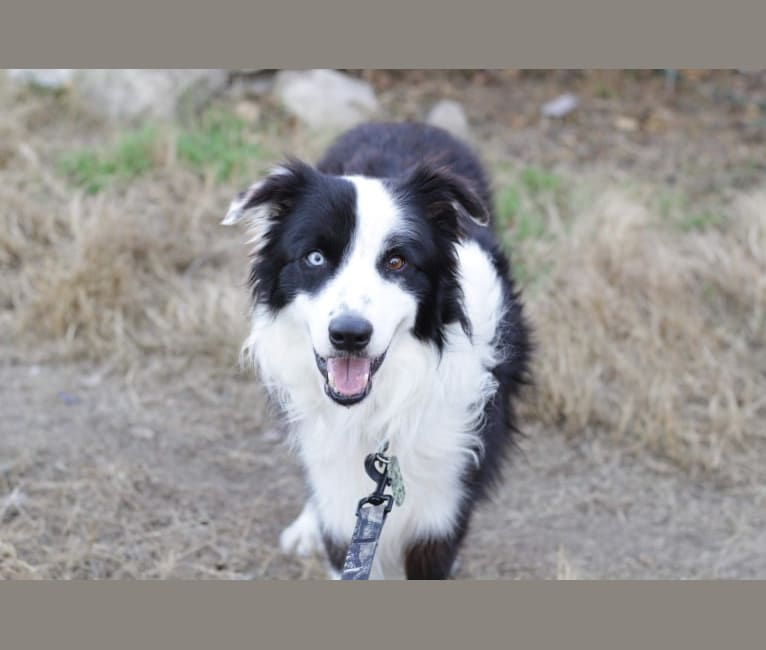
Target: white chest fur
[[427, 406]]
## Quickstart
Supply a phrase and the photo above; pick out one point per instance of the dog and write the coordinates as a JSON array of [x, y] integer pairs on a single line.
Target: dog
[[383, 311]]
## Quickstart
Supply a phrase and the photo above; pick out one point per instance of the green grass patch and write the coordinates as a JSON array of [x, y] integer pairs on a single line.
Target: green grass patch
[[528, 277], [604, 91], [524, 206], [220, 143], [521, 206], [677, 209], [700, 220], [131, 156], [508, 206], [529, 225], [538, 181]]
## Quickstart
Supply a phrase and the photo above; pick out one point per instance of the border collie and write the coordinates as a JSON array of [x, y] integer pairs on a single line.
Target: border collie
[[383, 311]]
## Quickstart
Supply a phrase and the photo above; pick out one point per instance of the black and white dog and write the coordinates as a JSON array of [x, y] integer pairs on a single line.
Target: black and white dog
[[383, 311]]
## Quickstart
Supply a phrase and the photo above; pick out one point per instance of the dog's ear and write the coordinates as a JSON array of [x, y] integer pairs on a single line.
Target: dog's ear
[[270, 197], [446, 197]]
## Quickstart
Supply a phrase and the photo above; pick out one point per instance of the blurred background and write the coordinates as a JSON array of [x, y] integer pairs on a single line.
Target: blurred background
[[633, 204]]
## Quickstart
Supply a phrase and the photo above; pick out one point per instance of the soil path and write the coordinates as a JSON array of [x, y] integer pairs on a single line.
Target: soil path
[[98, 480]]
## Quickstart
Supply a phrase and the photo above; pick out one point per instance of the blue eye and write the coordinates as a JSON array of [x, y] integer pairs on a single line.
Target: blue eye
[[315, 258]]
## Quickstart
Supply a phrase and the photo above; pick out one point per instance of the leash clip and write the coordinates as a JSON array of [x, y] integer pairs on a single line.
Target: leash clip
[[382, 481]]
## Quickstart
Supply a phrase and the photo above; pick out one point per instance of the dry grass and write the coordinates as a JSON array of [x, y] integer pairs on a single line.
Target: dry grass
[[564, 567], [140, 268], [117, 523], [655, 334], [142, 272], [646, 331]]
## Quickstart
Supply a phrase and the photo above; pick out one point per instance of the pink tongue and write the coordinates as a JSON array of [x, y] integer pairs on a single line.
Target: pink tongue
[[348, 375]]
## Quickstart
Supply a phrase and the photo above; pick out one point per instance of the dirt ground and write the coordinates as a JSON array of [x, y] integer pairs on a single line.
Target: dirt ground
[[168, 465], [191, 485]]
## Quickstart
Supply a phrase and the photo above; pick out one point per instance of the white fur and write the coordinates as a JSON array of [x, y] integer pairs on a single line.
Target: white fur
[[427, 407], [303, 537], [259, 218]]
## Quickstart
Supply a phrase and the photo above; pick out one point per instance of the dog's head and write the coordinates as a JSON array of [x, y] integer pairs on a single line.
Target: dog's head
[[358, 263]]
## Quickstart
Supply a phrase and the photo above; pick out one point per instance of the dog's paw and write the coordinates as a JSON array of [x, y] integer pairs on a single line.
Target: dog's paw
[[302, 537]]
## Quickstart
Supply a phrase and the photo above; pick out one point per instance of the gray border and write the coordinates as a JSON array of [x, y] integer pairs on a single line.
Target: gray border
[[352, 33], [549, 615], [298, 615]]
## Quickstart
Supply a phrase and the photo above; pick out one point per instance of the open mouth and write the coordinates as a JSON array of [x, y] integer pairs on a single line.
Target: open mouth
[[348, 379]]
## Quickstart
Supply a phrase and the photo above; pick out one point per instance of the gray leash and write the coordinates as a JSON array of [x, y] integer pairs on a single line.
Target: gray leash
[[371, 514]]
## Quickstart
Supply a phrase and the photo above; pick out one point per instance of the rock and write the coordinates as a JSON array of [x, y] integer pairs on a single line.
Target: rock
[[450, 116], [625, 123], [559, 107], [132, 95], [326, 99], [53, 79]]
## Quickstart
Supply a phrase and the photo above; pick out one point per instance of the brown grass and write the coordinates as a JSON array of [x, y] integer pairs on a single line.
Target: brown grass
[[654, 334], [142, 269], [137, 273]]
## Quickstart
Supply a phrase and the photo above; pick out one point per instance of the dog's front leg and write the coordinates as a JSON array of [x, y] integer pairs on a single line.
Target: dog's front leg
[[304, 536], [433, 559]]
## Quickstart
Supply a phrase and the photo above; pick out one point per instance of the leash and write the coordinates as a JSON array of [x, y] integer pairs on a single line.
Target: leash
[[371, 513]]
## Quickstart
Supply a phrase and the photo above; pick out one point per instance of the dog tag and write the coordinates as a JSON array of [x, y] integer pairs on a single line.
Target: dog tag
[[397, 483]]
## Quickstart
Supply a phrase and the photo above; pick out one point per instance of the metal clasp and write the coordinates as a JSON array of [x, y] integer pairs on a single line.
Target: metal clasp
[[382, 481]]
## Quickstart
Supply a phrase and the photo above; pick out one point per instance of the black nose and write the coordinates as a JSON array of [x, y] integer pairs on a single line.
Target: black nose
[[350, 332]]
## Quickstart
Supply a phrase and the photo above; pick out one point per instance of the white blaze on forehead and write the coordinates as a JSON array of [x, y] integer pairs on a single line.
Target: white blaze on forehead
[[377, 217]]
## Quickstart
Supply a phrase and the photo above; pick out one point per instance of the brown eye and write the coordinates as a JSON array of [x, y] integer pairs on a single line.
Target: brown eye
[[395, 263]]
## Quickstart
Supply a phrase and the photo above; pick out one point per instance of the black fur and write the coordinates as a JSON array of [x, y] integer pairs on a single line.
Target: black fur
[[309, 211], [434, 559], [390, 150], [336, 553]]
